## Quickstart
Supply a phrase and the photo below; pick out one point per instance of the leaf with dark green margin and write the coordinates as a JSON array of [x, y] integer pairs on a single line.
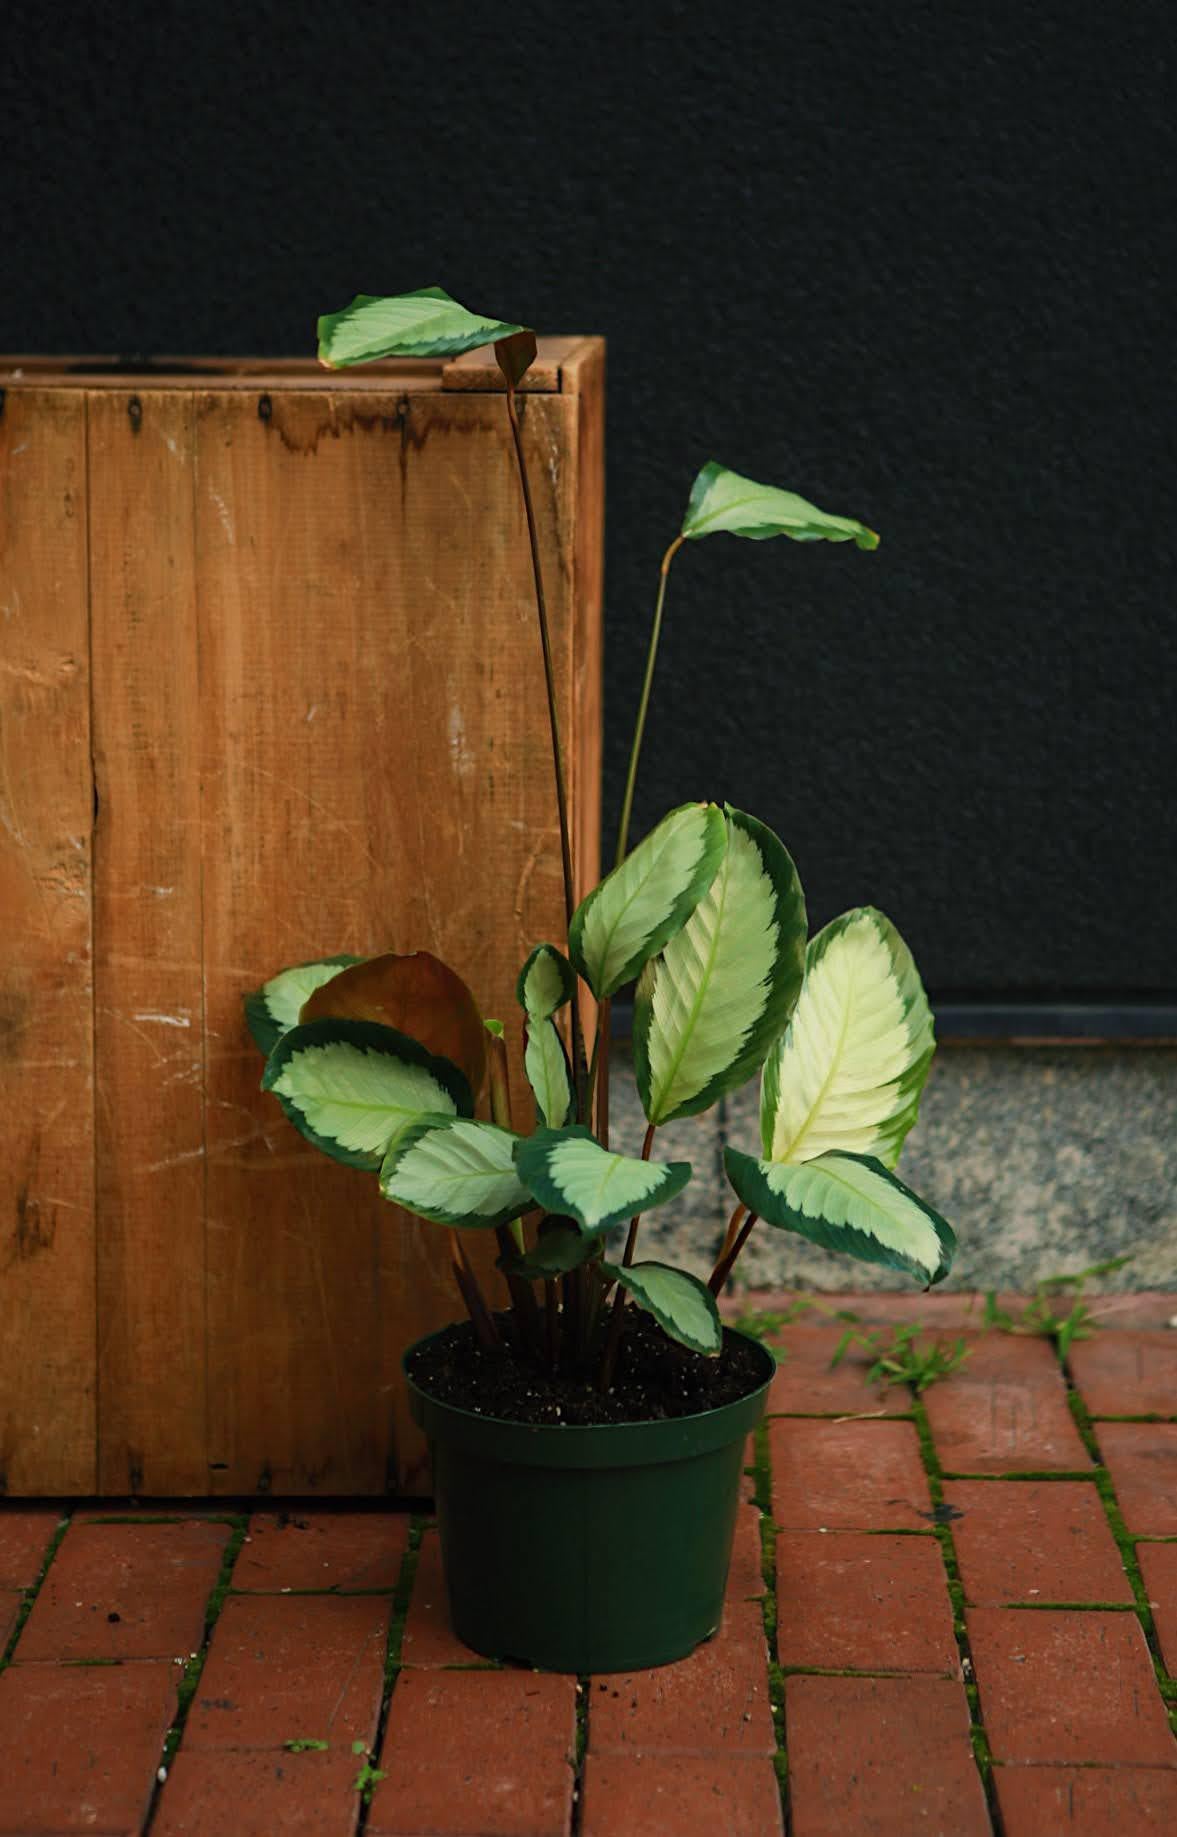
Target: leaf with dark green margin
[[556, 1252], [546, 1064], [640, 906], [456, 1172], [847, 1074], [709, 1008], [353, 1087], [546, 982], [683, 1306], [722, 501], [569, 1172], [850, 1203], [273, 1009], [426, 323]]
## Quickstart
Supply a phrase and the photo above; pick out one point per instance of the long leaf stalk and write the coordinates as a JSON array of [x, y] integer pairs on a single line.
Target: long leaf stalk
[[471, 1293], [617, 1315], [726, 1264]]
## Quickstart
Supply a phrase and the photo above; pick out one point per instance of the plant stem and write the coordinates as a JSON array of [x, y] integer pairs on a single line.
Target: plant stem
[[500, 1106], [467, 1281], [732, 1228], [726, 1264], [617, 1316], [541, 606], [639, 727], [552, 1323]]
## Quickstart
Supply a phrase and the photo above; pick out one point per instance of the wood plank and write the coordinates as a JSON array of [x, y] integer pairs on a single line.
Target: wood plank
[[149, 1046], [376, 776], [478, 370], [47, 1352], [582, 374]]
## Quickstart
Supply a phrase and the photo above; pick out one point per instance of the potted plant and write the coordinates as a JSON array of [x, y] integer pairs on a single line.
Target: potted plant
[[588, 1432]]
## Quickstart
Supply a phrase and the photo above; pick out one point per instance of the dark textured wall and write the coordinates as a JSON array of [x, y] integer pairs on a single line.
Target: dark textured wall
[[908, 260]]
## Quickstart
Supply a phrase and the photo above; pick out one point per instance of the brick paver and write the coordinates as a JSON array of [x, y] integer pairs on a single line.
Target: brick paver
[[856, 1602], [665, 1795], [1060, 1687], [1086, 1801], [125, 1591], [1142, 1460], [805, 1384], [79, 1746], [314, 1550], [1158, 1569], [881, 1757], [1068, 1700], [1127, 1374], [477, 1754], [283, 1667], [852, 1476], [260, 1793], [1005, 1410], [24, 1539], [428, 1637], [11, 1602], [1035, 1540]]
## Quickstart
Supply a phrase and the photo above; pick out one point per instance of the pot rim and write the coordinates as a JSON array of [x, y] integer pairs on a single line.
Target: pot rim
[[596, 1444]]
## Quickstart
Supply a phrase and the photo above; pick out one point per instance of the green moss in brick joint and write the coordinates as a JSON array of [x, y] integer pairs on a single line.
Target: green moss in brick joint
[[761, 1474], [193, 1664], [30, 1594]]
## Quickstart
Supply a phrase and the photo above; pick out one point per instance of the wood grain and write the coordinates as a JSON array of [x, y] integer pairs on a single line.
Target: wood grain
[[47, 1427], [149, 1045]]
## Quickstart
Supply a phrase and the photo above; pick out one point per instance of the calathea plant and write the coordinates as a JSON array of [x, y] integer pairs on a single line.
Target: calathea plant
[[386, 1064]]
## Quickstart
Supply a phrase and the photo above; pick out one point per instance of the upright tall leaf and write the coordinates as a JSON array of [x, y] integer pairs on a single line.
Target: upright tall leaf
[[274, 1008], [427, 323], [569, 1172], [710, 1006], [848, 1072], [546, 1065], [641, 905], [723, 501], [456, 1172], [851, 1203], [353, 1087], [546, 982]]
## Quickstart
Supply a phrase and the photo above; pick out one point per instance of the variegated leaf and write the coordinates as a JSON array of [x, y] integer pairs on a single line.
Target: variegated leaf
[[569, 1172], [427, 323], [642, 904], [851, 1203], [683, 1306], [273, 1009], [848, 1072], [546, 982], [546, 1065], [456, 1172], [353, 1087], [710, 1006], [723, 501]]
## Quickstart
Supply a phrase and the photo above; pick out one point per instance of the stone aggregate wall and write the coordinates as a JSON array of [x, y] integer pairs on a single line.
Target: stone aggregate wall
[[1044, 1160]]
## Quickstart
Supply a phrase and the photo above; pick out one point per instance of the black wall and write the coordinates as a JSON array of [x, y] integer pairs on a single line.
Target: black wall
[[908, 260]]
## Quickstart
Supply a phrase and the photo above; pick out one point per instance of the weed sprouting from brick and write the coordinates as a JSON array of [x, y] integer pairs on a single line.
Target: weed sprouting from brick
[[903, 1359], [1039, 1318], [306, 1744], [369, 1775]]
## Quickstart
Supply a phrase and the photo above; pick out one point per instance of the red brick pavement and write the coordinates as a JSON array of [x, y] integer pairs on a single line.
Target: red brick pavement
[[902, 1651]]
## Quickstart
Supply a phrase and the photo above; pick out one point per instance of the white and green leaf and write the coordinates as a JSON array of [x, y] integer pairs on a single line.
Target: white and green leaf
[[546, 982], [354, 1087], [723, 501], [427, 323], [708, 1009], [640, 906], [274, 1009], [848, 1072], [456, 1172], [569, 1172], [546, 1065], [850, 1203], [683, 1306]]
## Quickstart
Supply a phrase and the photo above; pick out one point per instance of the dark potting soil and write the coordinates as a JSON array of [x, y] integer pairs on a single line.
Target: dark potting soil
[[655, 1378]]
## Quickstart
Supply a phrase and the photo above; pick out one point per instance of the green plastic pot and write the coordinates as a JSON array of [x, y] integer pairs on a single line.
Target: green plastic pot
[[602, 1548]]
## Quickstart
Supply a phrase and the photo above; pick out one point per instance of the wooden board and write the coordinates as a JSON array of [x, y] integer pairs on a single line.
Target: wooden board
[[47, 1417], [149, 1043]]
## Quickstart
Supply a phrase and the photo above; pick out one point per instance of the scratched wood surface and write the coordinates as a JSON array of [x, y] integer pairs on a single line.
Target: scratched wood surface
[[319, 722], [149, 1045], [47, 1313]]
